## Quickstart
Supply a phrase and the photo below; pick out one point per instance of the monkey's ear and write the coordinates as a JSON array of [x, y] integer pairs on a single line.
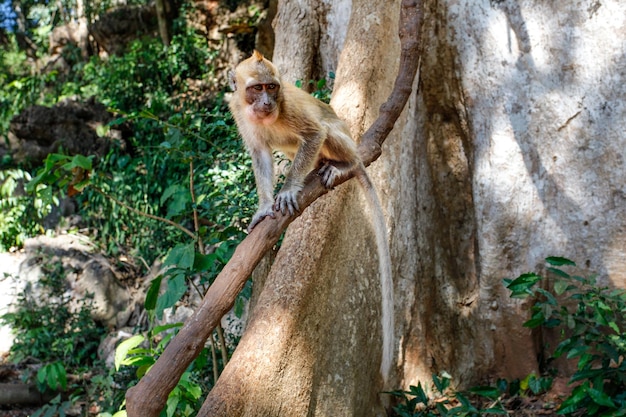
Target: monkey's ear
[[232, 81], [257, 55]]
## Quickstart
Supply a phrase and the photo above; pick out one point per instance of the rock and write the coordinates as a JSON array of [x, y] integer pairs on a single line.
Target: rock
[[87, 274], [116, 29], [72, 125]]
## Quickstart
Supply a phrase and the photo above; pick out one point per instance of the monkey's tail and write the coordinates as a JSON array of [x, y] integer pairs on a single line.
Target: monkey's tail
[[384, 266]]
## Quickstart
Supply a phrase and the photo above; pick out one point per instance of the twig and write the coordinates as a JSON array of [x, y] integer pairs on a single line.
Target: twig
[[143, 213]]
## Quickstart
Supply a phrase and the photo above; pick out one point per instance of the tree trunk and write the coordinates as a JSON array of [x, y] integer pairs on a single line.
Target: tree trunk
[[163, 11], [513, 151], [314, 338]]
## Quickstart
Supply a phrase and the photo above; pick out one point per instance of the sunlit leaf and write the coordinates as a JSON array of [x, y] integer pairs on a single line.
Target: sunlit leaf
[[122, 349]]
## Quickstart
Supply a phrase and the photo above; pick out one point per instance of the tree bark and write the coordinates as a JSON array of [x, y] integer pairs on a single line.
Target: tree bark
[[513, 152], [163, 12]]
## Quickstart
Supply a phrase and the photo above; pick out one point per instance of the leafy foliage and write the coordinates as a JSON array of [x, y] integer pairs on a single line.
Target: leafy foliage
[[141, 352], [590, 319], [20, 214], [149, 75], [53, 331], [444, 401], [58, 332], [320, 88]]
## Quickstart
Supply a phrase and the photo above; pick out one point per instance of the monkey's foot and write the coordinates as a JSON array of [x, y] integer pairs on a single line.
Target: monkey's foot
[[287, 201], [260, 215], [329, 174]]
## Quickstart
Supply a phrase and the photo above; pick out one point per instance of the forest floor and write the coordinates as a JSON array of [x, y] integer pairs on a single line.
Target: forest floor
[[544, 405]]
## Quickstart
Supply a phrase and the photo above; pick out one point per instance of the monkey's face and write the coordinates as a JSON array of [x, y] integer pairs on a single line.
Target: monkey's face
[[261, 95], [262, 99]]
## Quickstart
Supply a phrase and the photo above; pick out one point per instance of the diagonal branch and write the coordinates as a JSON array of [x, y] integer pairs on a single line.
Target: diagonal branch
[[149, 396]]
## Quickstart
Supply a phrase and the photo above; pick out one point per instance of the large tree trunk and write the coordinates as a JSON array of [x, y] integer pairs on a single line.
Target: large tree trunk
[[516, 151], [315, 338]]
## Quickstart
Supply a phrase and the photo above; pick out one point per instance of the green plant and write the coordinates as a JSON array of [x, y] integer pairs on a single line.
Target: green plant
[[141, 352], [444, 401], [57, 332], [590, 319], [149, 75], [52, 376], [52, 330], [56, 406], [20, 215], [320, 88]]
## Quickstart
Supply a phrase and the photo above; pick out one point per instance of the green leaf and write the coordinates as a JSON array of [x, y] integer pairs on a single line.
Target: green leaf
[[614, 327], [203, 262], [172, 190], [158, 329], [182, 256], [122, 349], [577, 351], [559, 272], [83, 162], [537, 320], [60, 375], [172, 402], [560, 286], [419, 393], [558, 261], [486, 391], [467, 405], [152, 294], [442, 382], [178, 203], [176, 288], [601, 398], [521, 286]]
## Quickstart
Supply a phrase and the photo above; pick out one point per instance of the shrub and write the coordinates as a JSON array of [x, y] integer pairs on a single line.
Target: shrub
[[591, 322], [52, 330]]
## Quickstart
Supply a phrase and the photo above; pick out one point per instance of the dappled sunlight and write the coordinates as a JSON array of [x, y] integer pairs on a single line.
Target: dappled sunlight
[[546, 145], [349, 100]]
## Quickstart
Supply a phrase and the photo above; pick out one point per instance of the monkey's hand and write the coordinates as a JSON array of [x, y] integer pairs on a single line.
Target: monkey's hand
[[287, 200], [263, 212]]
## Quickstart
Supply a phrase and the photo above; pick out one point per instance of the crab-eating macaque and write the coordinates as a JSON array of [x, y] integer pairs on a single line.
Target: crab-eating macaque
[[272, 115]]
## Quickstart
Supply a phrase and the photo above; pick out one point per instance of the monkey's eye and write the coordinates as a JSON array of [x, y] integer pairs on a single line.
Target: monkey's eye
[[258, 87], [271, 86]]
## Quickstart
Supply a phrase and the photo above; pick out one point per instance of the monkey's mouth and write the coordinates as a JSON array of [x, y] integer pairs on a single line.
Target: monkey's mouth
[[264, 116], [265, 112]]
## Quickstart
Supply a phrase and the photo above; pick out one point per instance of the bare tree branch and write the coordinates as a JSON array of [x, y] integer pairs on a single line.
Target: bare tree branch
[[149, 396]]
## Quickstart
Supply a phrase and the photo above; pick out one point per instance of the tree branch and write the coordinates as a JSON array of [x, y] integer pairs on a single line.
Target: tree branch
[[149, 396]]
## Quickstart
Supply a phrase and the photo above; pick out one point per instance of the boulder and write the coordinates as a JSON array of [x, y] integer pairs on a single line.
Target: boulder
[[71, 125]]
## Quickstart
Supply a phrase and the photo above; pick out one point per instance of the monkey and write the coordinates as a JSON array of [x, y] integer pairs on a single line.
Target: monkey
[[273, 115]]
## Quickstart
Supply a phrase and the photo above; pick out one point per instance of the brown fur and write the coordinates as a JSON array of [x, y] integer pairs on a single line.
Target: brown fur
[[272, 115]]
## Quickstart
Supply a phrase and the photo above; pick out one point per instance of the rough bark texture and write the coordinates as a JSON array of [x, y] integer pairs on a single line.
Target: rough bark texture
[[314, 337], [309, 37], [228, 398], [513, 151]]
